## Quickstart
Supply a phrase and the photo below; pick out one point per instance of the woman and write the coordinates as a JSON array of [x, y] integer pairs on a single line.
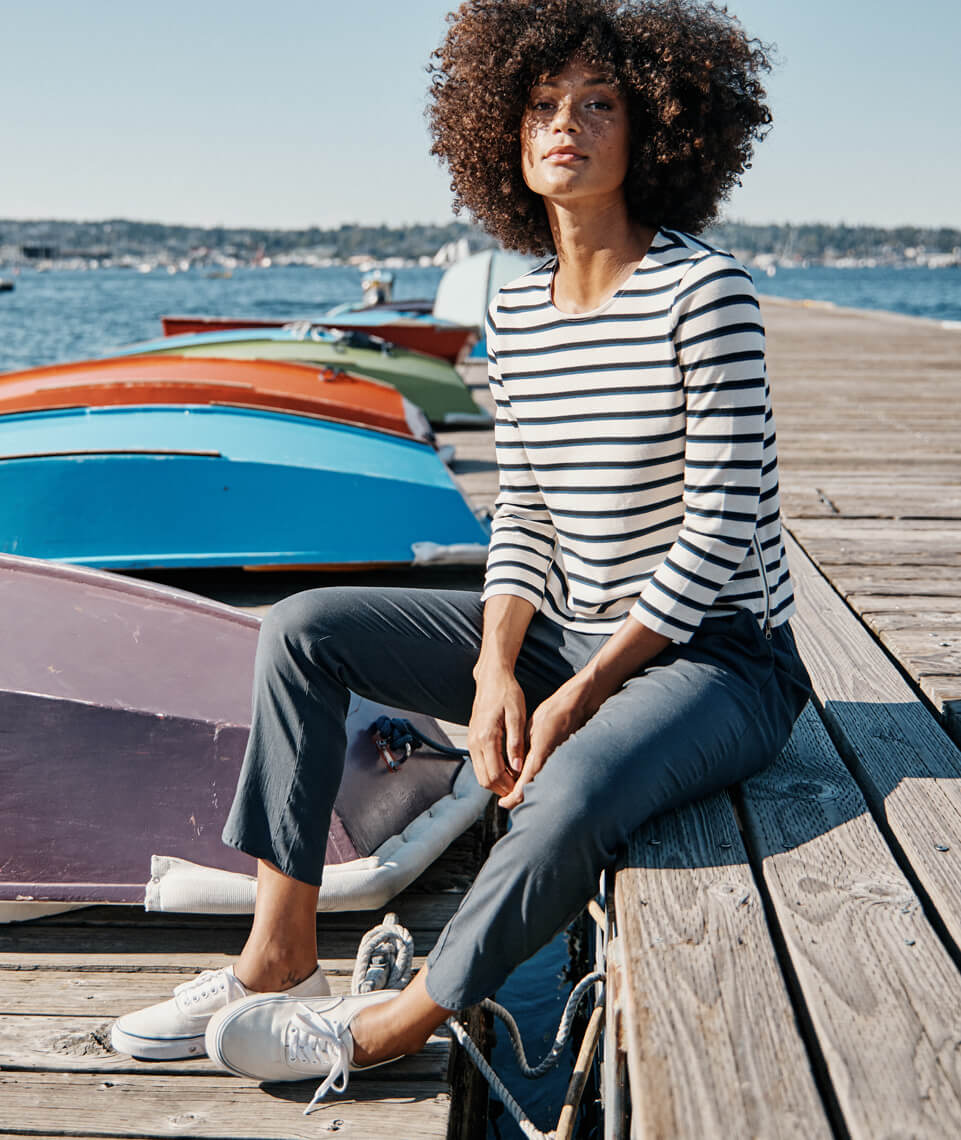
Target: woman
[[637, 591]]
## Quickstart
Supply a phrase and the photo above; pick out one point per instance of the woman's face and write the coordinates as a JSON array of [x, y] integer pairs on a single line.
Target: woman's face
[[575, 136]]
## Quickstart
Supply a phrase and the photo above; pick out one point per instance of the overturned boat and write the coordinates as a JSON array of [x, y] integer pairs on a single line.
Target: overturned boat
[[141, 487], [432, 384], [420, 332], [125, 712], [298, 388]]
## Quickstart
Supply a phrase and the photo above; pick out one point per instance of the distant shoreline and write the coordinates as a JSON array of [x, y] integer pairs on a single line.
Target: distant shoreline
[[849, 310], [24, 242]]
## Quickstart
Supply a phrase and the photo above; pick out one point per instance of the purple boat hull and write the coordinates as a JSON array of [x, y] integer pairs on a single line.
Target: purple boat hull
[[124, 714]]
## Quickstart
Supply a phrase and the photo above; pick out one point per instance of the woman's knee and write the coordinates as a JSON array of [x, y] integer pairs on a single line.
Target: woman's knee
[[297, 625]]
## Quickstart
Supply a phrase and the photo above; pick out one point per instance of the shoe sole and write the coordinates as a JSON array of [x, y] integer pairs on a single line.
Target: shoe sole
[[157, 1048]]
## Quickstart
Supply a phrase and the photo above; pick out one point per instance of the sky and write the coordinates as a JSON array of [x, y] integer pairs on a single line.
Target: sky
[[311, 112]]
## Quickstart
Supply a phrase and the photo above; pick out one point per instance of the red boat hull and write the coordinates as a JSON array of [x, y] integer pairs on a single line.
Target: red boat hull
[[419, 336]]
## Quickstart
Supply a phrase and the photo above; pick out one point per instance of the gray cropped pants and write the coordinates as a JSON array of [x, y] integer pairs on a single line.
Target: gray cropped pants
[[699, 717]]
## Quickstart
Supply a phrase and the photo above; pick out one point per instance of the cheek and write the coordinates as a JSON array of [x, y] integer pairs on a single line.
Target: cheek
[[616, 143], [528, 136]]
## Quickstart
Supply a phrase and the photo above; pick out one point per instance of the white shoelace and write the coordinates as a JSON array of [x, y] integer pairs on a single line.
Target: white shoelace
[[207, 985], [313, 1039]]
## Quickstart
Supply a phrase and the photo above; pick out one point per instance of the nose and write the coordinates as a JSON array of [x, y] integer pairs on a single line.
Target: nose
[[565, 121]]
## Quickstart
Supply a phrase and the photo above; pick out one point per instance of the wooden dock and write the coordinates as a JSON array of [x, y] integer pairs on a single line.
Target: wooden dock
[[787, 956]]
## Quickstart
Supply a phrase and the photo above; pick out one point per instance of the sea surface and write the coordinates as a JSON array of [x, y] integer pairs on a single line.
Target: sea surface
[[933, 293], [70, 315]]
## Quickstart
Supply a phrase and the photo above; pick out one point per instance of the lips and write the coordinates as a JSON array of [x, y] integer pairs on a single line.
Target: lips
[[564, 154]]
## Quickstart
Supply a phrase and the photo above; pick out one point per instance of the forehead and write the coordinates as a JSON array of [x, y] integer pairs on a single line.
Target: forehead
[[576, 73]]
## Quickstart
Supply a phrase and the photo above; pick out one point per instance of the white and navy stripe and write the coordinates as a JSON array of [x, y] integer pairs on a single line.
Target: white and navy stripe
[[636, 448]]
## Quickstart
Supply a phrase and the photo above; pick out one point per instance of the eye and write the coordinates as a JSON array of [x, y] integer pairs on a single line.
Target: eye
[[601, 105]]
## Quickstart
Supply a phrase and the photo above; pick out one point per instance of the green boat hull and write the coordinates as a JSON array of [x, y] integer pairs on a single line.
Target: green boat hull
[[432, 384]]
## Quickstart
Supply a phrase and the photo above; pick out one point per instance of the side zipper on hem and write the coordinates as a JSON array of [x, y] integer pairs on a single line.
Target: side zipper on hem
[[767, 591]]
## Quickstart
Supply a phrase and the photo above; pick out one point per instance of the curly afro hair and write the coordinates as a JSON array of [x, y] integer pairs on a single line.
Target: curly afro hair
[[688, 71]]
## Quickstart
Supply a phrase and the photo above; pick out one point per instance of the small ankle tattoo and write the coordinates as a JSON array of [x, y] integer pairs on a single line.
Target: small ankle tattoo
[[291, 979]]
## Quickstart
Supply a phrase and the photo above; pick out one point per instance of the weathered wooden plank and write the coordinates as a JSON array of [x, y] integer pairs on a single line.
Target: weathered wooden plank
[[908, 768], [64, 993], [65, 1043], [149, 1106], [928, 652], [900, 550], [927, 620], [712, 1045], [185, 960], [894, 574], [830, 499], [923, 532], [942, 692], [878, 985], [185, 939], [907, 606], [895, 581]]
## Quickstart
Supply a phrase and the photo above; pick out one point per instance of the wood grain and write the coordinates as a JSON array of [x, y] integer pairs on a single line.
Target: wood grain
[[713, 1049], [881, 991], [131, 1105], [908, 768]]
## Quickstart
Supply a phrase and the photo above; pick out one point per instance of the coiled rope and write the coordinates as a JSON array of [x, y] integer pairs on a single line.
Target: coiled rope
[[384, 960], [532, 1072], [397, 734]]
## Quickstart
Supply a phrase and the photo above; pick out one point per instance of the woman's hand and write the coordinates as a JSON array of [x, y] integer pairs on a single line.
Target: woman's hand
[[496, 734], [554, 720], [576, 701]]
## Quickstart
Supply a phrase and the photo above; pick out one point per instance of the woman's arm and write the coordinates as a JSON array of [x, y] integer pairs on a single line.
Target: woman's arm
[[719, 342], [518, 559], [497, 735], [522, 532]]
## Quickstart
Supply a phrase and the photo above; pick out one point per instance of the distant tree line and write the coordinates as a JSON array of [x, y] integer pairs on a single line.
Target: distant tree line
[[814, 240], [121, 235]]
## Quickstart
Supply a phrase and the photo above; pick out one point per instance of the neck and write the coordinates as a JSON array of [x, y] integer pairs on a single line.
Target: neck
[[597, 244]]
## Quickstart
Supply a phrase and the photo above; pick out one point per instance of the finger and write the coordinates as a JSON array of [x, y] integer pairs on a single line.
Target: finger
[[489, 765], [532, 765], [516, 733], [501, 778]]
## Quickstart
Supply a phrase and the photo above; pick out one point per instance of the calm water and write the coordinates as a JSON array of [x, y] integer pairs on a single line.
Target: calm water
[[932, 293], [72, 315]]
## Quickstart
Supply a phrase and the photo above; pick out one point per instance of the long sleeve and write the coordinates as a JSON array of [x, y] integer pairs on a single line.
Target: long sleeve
[[719, 346], [522, 533]]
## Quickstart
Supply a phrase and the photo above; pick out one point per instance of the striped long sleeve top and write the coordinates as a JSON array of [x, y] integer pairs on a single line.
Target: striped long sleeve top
[[636, 449]]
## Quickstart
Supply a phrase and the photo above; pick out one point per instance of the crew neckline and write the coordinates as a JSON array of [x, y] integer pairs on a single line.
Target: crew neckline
[[618, 292]]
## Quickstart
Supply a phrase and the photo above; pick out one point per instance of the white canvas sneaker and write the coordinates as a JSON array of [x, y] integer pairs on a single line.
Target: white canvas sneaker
[[174, 1029], [276, 1037]]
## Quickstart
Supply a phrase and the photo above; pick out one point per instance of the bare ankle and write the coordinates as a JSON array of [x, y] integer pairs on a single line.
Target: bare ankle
[[266, 972], [378, 1037]]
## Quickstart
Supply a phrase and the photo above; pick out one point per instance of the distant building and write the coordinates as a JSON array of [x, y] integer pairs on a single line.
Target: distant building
[[39, 252]]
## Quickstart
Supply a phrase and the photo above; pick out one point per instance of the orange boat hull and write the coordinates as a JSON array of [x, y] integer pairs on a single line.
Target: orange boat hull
[[296, 388]]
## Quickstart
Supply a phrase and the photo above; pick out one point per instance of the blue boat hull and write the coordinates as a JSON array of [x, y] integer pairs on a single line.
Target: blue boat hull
[[133, 488]]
